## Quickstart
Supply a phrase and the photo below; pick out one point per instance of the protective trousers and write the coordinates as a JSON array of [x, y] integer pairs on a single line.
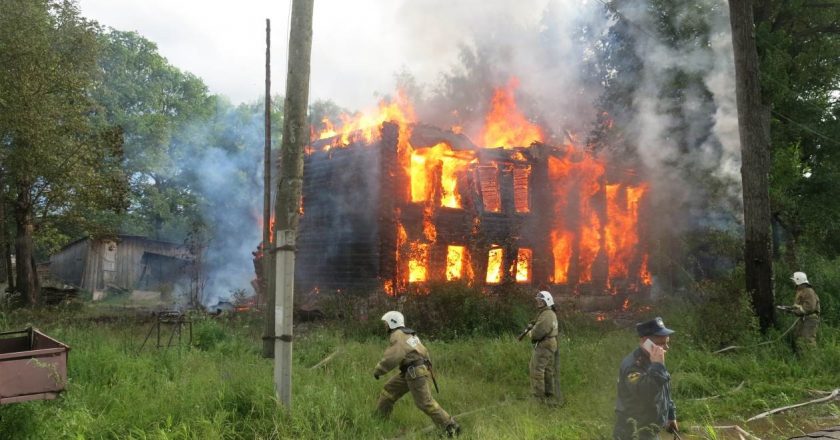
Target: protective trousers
[[806, 331], [542, 368], [418, 381]]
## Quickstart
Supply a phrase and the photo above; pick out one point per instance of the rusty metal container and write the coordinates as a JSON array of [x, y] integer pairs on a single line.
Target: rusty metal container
[[33, 366]]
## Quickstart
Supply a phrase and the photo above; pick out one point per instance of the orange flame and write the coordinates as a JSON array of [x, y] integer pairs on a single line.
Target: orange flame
[[418, 262], [429, 230], [505, 126], [523, 265], [455, 262], [494, 266], [645, 275], [600, 317], [575, 173], [625, 306], [438, 169], [621, 233], [562, 250], [364, 127]]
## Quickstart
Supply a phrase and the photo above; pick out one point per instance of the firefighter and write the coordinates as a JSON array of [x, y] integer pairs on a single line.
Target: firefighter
[[806, 305], [544, 360], [416, 374], [643, 405]]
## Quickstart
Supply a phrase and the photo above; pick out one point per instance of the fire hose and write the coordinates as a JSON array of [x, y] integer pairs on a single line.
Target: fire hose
[[733, 347]]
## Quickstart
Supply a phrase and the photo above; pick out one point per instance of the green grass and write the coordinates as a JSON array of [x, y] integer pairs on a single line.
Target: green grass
[[222, 388]]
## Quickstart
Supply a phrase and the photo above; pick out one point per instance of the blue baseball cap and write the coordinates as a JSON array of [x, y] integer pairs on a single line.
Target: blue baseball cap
[[654, 327]]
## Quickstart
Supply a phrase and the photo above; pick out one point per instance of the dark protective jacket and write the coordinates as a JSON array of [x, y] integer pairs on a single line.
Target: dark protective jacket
[[644, 396]]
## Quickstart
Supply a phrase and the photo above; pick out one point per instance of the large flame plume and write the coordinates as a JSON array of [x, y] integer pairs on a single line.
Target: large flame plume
[[592, 220]]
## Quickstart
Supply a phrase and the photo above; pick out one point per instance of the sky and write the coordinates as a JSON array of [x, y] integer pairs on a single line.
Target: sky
[[358, 45]]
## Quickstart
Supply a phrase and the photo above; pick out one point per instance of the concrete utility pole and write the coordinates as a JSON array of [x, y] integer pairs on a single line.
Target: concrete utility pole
[[267, 251], [289, 187], [754, 130]]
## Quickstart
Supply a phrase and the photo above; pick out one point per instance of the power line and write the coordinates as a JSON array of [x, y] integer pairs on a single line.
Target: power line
[[805, 127]]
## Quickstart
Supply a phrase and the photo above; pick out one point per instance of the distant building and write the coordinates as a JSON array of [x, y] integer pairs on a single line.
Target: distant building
[[125, 262]]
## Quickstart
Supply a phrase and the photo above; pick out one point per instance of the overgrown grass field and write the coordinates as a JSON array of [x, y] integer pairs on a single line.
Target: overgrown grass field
[[221, 388]]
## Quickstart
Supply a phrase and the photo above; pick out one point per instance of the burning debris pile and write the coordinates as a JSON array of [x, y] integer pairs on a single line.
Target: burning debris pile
[[390, 203]]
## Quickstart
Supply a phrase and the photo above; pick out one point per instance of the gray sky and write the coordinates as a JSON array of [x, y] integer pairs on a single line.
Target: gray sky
[[358, 44]]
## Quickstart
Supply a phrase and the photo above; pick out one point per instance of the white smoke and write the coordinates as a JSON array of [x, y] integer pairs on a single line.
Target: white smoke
[[228, 169], [540, 42], [710, 143]]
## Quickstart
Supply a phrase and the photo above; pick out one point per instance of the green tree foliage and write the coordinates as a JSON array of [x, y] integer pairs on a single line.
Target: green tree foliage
[[155, 105], [799, 45], [61, 170]]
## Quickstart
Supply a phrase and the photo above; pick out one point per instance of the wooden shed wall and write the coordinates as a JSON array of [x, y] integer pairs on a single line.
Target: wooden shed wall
[[130, 252], [68, 265]]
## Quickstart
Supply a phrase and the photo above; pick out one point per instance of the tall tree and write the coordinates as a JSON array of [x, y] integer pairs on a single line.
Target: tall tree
[[54, 160], [754, 129], [157, 106], [798, 47]]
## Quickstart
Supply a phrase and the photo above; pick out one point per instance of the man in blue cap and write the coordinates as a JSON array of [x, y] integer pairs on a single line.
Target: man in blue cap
[[644, 406]]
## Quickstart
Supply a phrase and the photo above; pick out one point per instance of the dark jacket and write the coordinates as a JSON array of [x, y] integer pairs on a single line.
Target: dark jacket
[[644, 397]]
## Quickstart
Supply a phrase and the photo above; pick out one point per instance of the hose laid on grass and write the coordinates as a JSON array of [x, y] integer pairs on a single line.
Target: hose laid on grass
[[733, 347]]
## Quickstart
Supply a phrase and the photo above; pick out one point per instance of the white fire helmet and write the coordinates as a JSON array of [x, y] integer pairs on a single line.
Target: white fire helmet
[[799, 278], [545, 297], [394, 319]]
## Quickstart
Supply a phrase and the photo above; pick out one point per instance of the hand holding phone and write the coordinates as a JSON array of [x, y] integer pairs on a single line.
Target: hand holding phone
[[657, 353]]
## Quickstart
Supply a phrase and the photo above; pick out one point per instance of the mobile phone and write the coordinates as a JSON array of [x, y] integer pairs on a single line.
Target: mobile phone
[[648, 345]]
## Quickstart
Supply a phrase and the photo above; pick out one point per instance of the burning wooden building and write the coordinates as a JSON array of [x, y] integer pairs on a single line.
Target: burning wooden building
[[403, 204], [392, 204]]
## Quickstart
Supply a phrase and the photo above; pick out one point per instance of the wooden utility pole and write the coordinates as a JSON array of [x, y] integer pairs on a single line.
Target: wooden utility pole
[[754, 129], [6, 272], [267, 250], [289, 187]]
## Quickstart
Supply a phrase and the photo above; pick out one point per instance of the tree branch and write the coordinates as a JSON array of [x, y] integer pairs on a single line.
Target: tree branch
[[827, 398]]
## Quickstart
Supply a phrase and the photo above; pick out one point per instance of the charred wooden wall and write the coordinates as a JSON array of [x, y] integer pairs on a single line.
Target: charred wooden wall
[[347, 217]]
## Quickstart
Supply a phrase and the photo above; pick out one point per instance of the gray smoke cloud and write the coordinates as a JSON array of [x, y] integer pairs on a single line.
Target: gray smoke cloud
[[705, 115], [229, 170], [459, 51], [539, 42]]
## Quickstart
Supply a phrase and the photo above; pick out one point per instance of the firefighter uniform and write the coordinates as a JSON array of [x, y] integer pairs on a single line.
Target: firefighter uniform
[[541, 368], [806, 306], [643, 405], [415, 376]]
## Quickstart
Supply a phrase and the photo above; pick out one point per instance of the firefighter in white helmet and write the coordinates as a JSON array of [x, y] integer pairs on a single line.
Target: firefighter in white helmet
[[416, 374], [545, 362], [806, 305]]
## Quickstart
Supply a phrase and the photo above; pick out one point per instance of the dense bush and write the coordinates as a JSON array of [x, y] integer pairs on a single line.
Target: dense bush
[[207, 333], [824, 275], [715, 313], [440, 310]]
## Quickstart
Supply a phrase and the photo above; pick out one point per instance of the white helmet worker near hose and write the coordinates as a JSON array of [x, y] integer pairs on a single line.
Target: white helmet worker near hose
[[806, 306], [545, 297], [799, 278], [394, 319], [410, 356]]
